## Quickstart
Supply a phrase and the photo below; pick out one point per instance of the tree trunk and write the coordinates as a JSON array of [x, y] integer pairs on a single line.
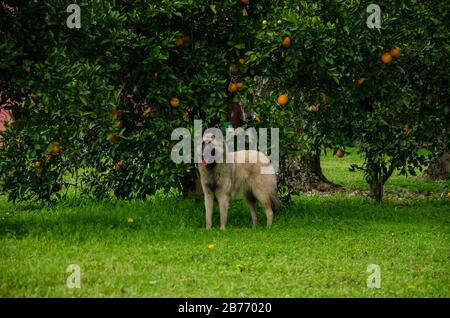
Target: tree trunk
[[302, 174], [439, 168], [376, 188]]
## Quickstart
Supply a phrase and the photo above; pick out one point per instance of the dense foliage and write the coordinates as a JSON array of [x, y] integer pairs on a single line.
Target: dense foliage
[[100, 102]]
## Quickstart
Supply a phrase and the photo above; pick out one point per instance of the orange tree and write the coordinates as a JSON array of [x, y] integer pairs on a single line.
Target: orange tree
[[401, 103], [100, 102], [348, 84]]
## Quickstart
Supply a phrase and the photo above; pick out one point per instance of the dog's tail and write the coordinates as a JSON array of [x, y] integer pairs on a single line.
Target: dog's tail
[[275, 202]]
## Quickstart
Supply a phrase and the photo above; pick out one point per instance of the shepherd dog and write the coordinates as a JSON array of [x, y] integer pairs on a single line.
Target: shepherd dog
[[224, 180]]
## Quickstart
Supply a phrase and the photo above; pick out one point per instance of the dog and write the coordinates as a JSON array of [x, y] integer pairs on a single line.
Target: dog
[[224, 180]]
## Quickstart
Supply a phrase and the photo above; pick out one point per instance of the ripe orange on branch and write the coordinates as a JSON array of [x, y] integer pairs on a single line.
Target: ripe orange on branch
[[361, 80], [395, 52], [386, 58], [119, 165], [147, 112], [113, 138], [179, 42], [56, 148], [282, 100], [232, 88], [314, 108], [286, 41], [174, 102]]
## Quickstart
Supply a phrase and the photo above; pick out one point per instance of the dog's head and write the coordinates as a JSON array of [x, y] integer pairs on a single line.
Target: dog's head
[[212, 147]]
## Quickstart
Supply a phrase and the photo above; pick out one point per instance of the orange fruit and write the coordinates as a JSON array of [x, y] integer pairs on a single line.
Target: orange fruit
[[314, 108], [147, 112], [113, 138], [48, 158], [56, 149], [38, 164], [395, 52], [286, 41], [186, 39], [282, 100], [179, 42], [340, 153], [405, 131], [174, 102], [239, 85], [386, 58], [116, 113], [232, 88], [119, 165], [242, 61], [361, 80]]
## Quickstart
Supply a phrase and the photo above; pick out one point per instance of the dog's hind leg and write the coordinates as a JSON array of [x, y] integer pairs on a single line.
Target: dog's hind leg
[[209, 204], [265, 200], [269, 216], [251, 203]]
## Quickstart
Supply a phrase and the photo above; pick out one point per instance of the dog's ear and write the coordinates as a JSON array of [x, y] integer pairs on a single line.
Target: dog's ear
[[236, 115]]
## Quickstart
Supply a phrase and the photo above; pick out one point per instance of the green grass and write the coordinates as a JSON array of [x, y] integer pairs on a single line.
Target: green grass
[[319, 246]]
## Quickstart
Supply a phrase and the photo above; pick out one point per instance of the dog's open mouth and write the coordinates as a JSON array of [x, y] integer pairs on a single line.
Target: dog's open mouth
[[209, 159]]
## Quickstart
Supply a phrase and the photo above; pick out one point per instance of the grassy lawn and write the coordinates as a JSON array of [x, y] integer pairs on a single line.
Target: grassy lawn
[[320, 246]]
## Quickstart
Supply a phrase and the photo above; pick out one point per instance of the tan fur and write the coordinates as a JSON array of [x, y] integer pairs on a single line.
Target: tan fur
[[224, 181]]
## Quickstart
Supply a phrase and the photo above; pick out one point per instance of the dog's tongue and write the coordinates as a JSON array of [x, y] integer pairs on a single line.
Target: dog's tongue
[[204, 162]]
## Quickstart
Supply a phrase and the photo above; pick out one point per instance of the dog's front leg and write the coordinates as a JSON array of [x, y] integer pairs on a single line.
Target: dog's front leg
[[224, 201], [209, 203]]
